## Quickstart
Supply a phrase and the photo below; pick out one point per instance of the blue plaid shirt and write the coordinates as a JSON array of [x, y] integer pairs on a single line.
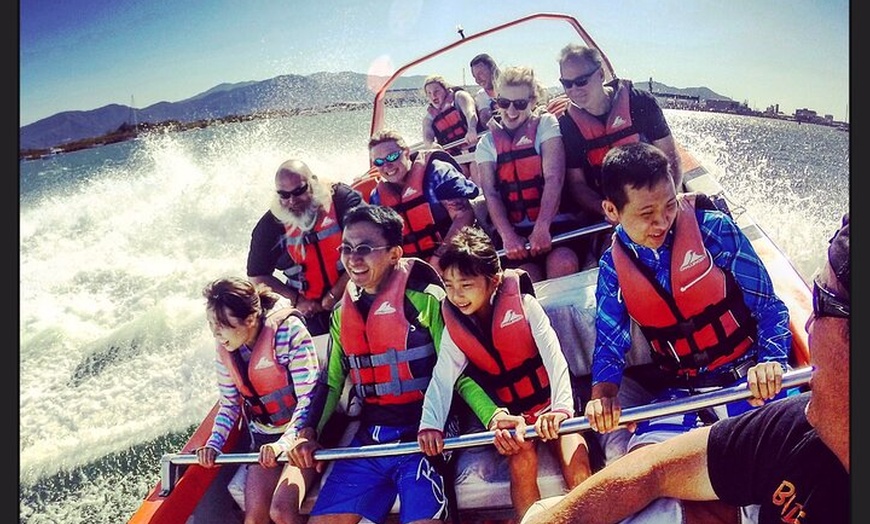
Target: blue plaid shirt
[[731, 251]]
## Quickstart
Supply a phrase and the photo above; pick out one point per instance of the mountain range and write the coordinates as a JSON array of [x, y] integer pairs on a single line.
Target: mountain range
[[281, 93]]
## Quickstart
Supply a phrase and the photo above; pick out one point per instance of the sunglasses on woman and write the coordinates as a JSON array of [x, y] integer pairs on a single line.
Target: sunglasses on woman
[[578, 81], [504, 103], [392, 157], [827, 304], [299, 191]]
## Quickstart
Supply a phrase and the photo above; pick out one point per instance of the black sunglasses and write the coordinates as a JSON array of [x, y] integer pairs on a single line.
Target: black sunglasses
[[579, 81], [299, 191], [827, 304], [392, 157], [504, 103], [361, 250]]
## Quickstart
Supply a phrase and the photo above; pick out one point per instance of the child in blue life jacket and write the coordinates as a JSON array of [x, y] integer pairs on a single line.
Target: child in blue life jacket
[[499, 335]]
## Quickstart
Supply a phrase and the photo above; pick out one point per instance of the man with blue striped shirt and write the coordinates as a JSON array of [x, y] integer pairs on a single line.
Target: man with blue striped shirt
[[695, 286]]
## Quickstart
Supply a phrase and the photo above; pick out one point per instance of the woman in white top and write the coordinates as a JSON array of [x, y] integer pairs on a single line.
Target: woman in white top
[[522, 170]]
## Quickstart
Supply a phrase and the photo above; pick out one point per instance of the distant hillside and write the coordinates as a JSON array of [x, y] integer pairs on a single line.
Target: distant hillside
[[286, 92], [703, 93]]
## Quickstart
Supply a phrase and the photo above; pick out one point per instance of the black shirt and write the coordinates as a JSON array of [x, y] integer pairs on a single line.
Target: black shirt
[[268, 251], [646, 117], [772, 456]]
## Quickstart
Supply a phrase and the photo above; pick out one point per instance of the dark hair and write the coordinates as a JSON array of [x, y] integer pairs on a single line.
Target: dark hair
[[488, 61], [472, 253], [239, 296], [637, 165], [385, 218]]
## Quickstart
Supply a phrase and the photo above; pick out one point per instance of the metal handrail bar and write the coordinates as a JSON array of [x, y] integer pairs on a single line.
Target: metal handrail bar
[[568, 235], [791, 379]]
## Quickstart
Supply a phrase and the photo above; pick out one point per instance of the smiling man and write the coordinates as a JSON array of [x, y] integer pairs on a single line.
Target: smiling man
[[384, 335], [299, 235], [788, 461], [690, 279], [600, 116]]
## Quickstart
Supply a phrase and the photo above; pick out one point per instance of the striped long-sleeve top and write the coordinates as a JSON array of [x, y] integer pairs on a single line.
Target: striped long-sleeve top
[[293, 349]]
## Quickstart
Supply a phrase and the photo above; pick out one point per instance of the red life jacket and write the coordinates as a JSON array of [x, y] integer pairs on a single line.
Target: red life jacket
[[505, 362], [520, 170], [600, 138], [703, 322], [315, 253], [421, 234], [449, 125], [376, 348], [265, 385]]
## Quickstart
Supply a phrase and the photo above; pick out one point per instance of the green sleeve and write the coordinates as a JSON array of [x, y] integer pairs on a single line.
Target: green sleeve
[[477, 399], [429, 308], [336, 373]]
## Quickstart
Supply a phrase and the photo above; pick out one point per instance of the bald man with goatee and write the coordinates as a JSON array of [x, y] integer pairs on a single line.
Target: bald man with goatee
[[297, 238]]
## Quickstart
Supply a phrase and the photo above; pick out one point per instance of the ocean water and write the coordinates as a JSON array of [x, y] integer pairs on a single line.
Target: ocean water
[[117, 242]]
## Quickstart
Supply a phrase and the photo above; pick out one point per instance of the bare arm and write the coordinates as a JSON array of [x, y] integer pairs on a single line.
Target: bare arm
[[553, 163], [484, 114], [669, 147], [675, 468], [466, 105], [428, 132], [461, 214], [334, 293]]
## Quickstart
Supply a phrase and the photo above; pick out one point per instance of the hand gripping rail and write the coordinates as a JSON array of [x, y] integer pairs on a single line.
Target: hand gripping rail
[[450, 145], [568, 235], [796, 378]]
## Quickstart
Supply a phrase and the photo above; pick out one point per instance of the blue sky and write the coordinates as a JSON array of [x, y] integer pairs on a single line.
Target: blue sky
[[81, 55]]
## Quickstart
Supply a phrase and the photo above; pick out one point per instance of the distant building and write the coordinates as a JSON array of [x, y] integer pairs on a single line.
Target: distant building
[[722, 106], [808, 115], [772, 111], [670, 100]]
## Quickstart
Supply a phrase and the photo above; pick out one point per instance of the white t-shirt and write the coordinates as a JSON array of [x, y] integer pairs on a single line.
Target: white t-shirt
[[548, 127], [482, 100]]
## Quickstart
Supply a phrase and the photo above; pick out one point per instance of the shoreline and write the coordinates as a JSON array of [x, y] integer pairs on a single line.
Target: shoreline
[[126, 132]]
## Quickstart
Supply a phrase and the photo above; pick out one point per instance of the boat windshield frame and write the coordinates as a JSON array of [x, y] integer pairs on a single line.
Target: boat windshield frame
[[379, 107]]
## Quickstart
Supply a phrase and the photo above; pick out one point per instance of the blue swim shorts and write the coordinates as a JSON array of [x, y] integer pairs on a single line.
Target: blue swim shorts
[[369, 487]]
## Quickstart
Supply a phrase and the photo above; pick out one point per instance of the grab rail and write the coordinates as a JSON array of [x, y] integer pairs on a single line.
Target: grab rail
[[796, 378], [450, 145], [568, 235]]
